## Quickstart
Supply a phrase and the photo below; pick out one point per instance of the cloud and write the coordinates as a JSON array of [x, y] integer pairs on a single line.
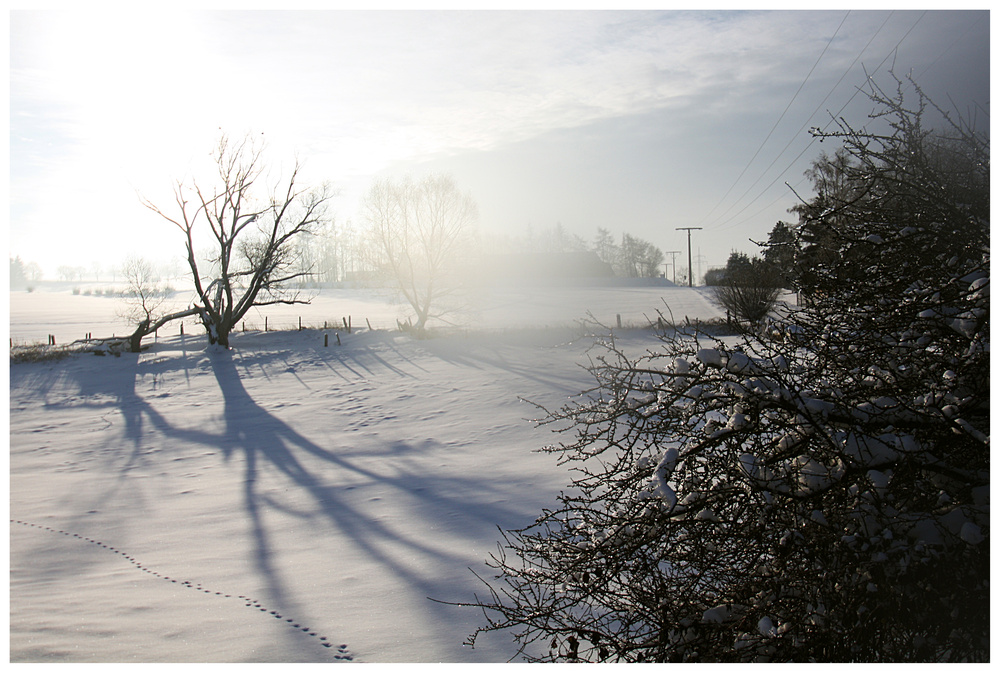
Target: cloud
[[137, 98], [471, 80]]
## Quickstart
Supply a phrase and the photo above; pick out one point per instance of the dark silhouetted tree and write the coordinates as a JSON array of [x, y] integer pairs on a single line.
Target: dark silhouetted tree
[[637, 258], [251, 227], [748, 289], [822, 496], [780, 252]]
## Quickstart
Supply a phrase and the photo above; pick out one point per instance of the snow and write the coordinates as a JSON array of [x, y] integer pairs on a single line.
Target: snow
[[818, 517], [738, 362], [707, 515], [720, 614], [879, 480], [283, 501], [817, 407], [749, 464], [971, 533], [710, 357], [681, 366], [661, 476], [980, 288], [869, 450], [812, 475], [35, 315]]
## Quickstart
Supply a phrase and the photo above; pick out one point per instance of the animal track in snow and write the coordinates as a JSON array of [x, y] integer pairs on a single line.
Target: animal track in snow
[[342, 652]]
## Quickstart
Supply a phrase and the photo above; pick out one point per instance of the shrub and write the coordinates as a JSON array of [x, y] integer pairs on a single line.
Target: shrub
[[824, 497], [749, 292]]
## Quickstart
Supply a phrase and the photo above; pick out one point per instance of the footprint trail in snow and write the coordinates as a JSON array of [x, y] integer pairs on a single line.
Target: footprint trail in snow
[[342, 650]]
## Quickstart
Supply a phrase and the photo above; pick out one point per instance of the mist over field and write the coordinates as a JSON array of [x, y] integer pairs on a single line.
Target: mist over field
[[69, 316]]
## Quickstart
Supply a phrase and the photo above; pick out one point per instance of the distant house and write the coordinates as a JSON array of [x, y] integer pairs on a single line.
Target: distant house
[[545, 268]]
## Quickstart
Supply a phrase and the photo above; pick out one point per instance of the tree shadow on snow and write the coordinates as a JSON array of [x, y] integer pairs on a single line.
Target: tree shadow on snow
[[265, 447], [105, 389]]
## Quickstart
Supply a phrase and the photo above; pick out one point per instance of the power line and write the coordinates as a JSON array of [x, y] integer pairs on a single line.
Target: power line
[[782, 116], [948, 48], [796, 134], [831, 121]]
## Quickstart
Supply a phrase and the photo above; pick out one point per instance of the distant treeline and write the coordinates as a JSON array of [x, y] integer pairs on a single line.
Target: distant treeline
[[340, 252]]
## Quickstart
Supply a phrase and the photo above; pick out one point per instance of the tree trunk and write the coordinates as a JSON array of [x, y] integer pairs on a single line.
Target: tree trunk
[[135, 340], [146, 327], [218, 333]]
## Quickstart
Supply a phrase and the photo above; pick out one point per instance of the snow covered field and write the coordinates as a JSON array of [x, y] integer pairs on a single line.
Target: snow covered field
[[282, 501], [35, 315]]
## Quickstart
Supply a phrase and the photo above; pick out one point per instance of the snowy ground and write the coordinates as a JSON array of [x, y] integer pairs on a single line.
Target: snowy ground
[[282, 501], [68, 317]]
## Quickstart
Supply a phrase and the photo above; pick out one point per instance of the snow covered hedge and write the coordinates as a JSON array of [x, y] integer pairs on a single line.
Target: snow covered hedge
[[821, 494]]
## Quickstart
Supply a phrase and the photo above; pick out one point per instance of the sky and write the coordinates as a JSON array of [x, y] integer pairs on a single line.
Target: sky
[[638, 121]]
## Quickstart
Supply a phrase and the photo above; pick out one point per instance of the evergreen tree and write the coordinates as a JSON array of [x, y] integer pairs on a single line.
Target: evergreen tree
[[17, 274]]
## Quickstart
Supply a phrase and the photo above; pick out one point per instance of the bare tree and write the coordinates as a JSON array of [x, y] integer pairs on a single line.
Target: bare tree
[[423, 231], [637, 258], [67, 272], [142, 299], [33, 272], [251, 227]]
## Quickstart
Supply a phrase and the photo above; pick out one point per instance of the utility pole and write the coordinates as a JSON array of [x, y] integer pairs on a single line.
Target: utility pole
[[673, 262], [690, 267], [700, 258]]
